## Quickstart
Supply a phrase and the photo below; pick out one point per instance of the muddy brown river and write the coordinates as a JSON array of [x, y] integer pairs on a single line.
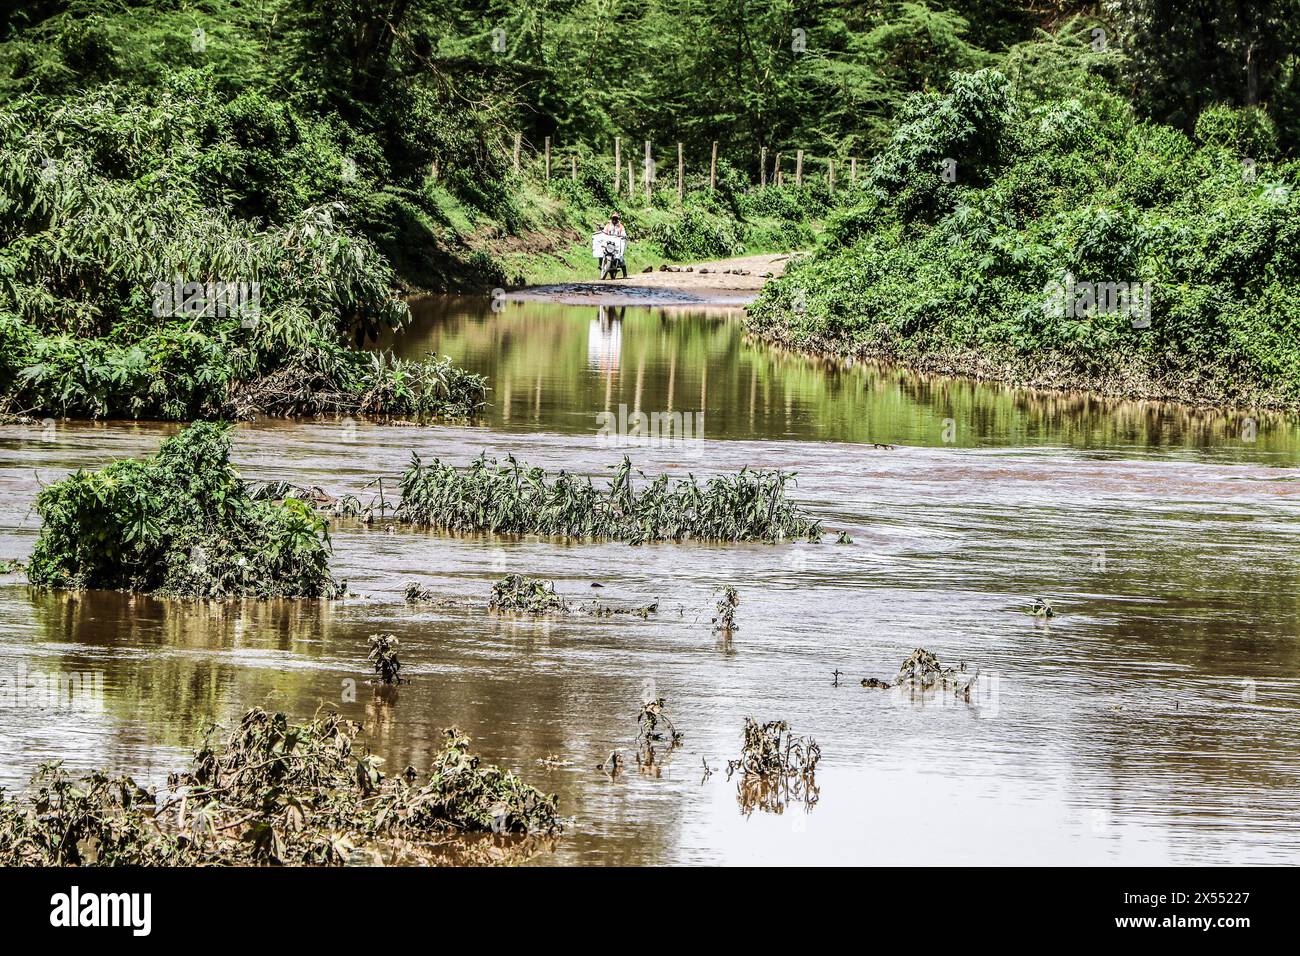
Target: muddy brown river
[[1154, 719]]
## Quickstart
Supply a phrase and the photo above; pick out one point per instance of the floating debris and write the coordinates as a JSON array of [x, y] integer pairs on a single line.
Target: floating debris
[[923, 671], [525, 595], [605, 609], [843, 538], [383, 656], [1042, 608], [414, 594], [11, 566], [275, 793], [725, 621]]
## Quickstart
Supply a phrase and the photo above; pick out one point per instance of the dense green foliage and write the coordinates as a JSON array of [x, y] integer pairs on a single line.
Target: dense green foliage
[[511, 497], [336, 152], [1056, 191], [179, 523]]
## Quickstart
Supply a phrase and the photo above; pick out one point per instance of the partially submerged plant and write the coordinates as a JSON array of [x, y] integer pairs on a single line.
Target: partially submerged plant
[[276, 793], [648, 720], [923, 671], [11, 566], [180, 523], [383, 656], [775, 766], [414, 594], [336, 382], [512, 498], [771, 750], [1042, 608], [725, 620], [526, 595]]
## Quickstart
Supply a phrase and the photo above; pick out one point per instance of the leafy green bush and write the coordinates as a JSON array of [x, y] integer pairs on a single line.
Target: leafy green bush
[[107, 220], [1248, 132], [696, 234], [179, 523], [1048, 194]]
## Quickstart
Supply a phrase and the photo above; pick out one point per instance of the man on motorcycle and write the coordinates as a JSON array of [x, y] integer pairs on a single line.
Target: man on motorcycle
[[614, 227]]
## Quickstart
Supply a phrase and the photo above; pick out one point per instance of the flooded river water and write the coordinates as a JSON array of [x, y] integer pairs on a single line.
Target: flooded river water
[[1153, 720]]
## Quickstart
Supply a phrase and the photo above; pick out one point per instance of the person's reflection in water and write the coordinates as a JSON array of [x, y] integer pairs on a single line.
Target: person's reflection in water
[[605, 337]]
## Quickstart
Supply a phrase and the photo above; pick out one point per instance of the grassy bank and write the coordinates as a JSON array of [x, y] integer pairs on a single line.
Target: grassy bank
[[554, 220]]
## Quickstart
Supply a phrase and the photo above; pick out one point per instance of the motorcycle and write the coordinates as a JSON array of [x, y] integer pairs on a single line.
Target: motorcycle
[[611, 251]]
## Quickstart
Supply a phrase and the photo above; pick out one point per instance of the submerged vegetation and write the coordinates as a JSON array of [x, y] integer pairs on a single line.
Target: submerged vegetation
[[383, 657], [272, 793], [513, 498], [922, 671], [775, 767], [725, 618], [180, 523], [525, 595]]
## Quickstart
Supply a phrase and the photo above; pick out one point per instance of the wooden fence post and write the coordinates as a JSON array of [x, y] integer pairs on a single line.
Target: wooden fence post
[[519, 140], [631, 181], [573, 160], [762, 166], [548, 159], [713, 167], [830, 170], [853, 170], [798, 168], [681, 174], [618, 166], [776, 173]]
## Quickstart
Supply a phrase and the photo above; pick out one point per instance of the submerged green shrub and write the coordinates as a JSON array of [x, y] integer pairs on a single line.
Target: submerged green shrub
[[179, 523], [511, 497]]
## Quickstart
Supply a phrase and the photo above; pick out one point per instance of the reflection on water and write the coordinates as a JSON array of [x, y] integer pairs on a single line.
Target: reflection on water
[[1152, 721], [555, 367]]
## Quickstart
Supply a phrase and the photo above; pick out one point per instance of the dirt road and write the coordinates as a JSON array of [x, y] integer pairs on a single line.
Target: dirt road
[[715, 283]]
